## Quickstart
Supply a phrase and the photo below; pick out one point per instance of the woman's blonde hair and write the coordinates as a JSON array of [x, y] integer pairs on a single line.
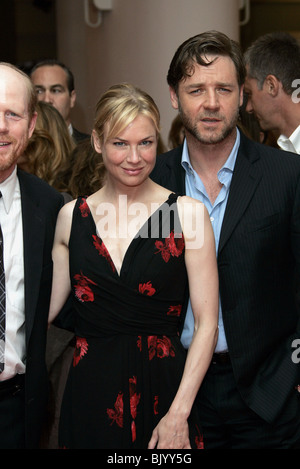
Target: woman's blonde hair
[[119, 106], [49, 148]]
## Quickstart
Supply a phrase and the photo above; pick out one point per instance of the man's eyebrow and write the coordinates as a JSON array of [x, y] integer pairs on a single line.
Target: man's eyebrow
[[217, 84], [58, 85]]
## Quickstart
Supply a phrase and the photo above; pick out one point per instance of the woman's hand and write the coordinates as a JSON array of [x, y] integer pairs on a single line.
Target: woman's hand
[[170, 433]]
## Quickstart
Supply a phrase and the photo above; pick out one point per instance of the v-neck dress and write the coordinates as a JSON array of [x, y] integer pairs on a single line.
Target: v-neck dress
[[128, 359]]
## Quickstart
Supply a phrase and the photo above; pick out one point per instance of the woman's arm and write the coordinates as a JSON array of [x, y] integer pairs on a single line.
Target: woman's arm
[[200, 256], [61, 287]]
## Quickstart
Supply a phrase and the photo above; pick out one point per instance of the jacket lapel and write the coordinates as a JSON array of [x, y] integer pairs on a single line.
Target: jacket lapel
[[33, 235], [176, 177], [246, 176]]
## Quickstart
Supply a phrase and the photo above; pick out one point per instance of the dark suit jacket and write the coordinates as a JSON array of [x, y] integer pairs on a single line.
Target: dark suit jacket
[[258, 253], [40, 206], [79, 136]]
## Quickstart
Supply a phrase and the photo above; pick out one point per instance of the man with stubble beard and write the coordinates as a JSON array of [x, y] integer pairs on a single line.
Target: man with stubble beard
[[250, 395]]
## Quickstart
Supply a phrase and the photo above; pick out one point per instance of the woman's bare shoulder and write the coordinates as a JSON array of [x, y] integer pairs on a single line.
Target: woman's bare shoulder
[[185, 199]]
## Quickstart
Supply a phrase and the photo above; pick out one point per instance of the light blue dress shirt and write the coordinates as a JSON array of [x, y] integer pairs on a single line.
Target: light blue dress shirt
[[196, 189]]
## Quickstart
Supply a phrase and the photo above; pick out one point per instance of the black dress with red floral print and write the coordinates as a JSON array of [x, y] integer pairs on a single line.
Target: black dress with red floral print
[[128, 359]]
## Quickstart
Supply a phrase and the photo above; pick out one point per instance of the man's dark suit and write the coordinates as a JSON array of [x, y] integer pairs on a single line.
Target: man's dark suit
[[40, 206], [258, 251], [79, 136]]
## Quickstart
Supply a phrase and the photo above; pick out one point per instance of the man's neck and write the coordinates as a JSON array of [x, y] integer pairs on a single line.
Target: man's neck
[[6, 173], [289, 116], [209, 158]]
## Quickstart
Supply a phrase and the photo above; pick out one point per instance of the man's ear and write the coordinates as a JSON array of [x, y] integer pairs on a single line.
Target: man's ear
[[174, 98], [241, 95], [73, 98], [32, 124], [272, 85]]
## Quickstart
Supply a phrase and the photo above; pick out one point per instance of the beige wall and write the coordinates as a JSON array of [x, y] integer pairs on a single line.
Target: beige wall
[[135, 42]]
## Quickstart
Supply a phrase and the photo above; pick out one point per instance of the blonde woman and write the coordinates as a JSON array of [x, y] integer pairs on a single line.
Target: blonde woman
[[128, 253]]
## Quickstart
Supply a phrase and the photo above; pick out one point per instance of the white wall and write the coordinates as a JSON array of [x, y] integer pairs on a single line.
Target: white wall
[[135, 42]]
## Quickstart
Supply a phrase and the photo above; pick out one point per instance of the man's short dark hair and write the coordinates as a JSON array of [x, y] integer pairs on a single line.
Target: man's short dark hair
[[197, 48], [51, 63], [277, 54]]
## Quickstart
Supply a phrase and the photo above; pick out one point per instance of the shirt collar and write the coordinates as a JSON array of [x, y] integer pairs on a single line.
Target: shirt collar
[[229, 163], [291, 143], [8, 189]]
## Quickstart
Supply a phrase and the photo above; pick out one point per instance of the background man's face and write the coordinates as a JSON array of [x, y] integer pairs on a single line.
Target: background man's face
[[51, 85]]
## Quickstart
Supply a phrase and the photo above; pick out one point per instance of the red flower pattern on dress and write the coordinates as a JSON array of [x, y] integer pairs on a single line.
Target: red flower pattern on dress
[[134, 397], [84, 208], [116, 414], [82, 290], [160, 347], [173, 246], [133, 430], [81, 349], [155, 405], [139, 342], [199, 439], [147, 288], [134, 402], [174, 310], [101, 248]]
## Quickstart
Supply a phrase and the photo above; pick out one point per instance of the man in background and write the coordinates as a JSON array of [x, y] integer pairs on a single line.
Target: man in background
[[273, 87], [54, 84]]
